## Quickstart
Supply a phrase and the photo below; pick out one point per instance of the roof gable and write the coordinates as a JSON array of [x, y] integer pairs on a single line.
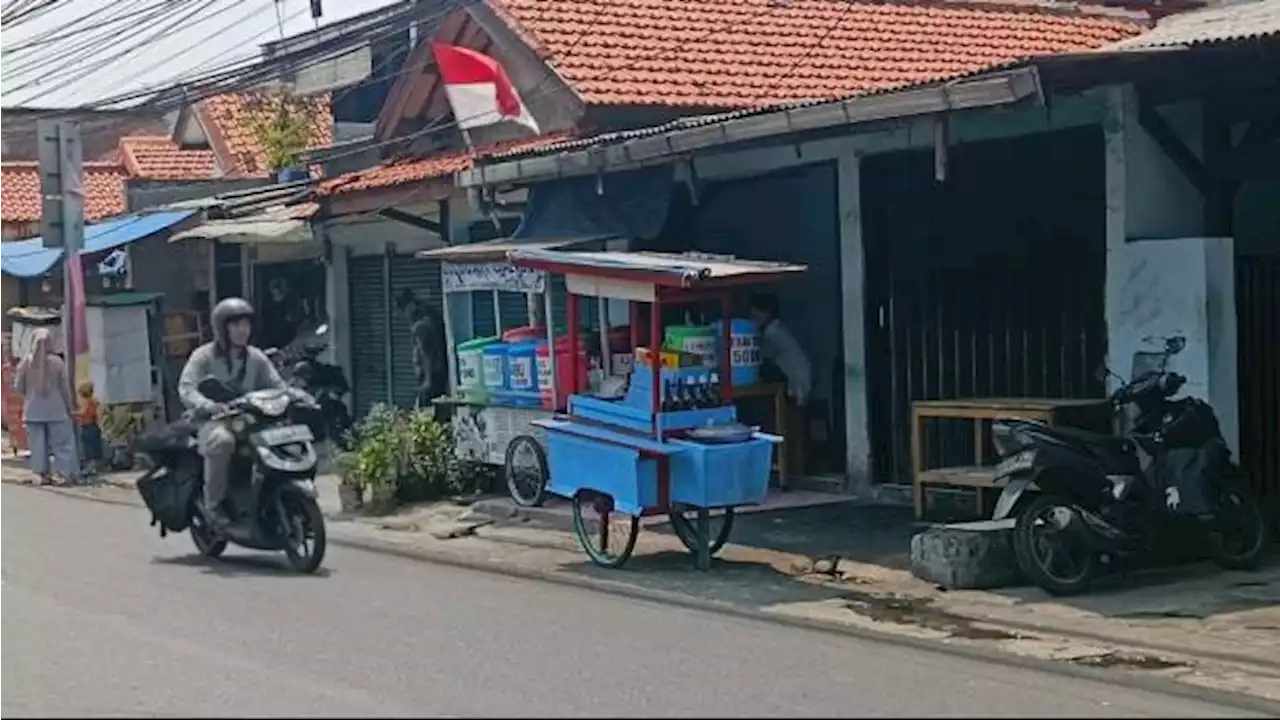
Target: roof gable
[[227, 122]]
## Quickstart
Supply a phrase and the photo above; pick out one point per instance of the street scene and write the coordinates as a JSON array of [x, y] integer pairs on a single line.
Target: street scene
[[135, 626], [553, 357]]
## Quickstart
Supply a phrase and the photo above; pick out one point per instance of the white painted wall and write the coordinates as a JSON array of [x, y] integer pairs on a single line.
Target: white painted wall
[[1161, 278]]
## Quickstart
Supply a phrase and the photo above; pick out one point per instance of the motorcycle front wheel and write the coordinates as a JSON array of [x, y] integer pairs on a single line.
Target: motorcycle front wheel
[[1239, 533], [304, 532], [1049, 552]]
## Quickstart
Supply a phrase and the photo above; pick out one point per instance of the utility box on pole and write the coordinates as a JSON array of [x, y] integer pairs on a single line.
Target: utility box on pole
[[61, 184]]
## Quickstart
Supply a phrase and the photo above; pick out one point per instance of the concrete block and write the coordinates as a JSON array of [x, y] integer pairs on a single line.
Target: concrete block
[[966, 556]]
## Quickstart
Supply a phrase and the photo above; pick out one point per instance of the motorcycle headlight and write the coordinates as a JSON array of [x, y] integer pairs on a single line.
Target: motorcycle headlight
[[238, 424], [272, 405]]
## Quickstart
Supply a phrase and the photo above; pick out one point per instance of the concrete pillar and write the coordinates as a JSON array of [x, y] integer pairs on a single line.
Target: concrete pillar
[[857, 430]]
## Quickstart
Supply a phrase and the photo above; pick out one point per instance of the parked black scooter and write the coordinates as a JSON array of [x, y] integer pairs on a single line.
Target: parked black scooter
[[299, 363], [1104, 499]]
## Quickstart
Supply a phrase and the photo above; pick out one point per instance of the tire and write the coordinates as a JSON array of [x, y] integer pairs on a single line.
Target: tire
[[686, 528], [601, 552], [1240, 534], [305, 511], [527, 485], [1030, 523], [207, 544]]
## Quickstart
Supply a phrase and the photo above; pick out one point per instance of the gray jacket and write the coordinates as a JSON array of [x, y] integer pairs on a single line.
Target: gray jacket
[[248, 372], [53, 406]]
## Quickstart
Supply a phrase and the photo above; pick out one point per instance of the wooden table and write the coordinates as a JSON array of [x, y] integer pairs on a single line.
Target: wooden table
[[778, 391], [980, 476]]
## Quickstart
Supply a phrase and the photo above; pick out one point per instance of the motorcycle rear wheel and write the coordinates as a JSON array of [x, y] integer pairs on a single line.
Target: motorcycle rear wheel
[[1050, 557], [1240, 534], [304, 523], [207, 542]]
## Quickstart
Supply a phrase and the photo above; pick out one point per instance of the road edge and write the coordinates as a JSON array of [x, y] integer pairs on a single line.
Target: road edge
[[1110, 676]]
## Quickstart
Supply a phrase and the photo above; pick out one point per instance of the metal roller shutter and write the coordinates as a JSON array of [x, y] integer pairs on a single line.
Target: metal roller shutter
[[368, 312], [423, 278]]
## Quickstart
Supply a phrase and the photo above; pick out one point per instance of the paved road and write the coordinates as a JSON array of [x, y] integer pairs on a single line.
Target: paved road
[[105, 618]]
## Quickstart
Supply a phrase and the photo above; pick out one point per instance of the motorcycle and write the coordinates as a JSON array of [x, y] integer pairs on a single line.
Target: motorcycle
[[1105, 499], [299, 363], [271, 500]]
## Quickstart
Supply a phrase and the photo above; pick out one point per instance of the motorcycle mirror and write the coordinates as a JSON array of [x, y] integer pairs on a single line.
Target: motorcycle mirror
[[1175, 344]]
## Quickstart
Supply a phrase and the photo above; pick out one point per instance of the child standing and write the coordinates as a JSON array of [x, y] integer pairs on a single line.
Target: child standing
[[87, 422]]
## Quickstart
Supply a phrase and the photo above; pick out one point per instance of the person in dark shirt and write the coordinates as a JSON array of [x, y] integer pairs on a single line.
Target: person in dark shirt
[[430, 365]]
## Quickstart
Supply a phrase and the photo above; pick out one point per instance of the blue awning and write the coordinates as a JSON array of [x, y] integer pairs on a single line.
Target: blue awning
[[30, 258]]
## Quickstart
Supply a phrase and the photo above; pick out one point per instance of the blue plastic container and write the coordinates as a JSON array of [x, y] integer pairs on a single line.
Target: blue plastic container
[[522, 367], [744, 359], [495, 367], [711, 476]]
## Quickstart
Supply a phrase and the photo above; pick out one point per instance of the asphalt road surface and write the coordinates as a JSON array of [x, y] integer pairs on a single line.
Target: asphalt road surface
[[105, 618]]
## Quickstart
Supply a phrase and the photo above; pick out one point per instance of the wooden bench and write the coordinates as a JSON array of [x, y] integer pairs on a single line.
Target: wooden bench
[[777, 393], [979, 475]]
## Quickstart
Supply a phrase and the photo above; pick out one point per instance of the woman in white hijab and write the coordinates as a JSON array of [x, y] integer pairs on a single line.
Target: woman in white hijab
[[47, 408]]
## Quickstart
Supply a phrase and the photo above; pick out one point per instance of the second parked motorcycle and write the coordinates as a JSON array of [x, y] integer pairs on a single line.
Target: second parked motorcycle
[[300, 364], [1104, 499]]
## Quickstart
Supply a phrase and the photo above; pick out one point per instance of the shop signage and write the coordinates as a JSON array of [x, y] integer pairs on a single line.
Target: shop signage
[[460, 277]]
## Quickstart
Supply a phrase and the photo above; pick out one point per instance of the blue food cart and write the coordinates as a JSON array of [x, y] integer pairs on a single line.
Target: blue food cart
[[669, 442]]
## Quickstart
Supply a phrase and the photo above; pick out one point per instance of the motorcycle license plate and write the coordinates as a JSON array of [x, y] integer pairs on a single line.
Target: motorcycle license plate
[[287, 434]]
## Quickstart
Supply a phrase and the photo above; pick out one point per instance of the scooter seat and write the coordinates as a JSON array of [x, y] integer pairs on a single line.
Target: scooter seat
[[1102, 444]]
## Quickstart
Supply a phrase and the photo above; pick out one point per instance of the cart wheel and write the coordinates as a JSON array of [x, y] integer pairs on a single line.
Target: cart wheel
[[608, 537], [686, 528], [526, 471]]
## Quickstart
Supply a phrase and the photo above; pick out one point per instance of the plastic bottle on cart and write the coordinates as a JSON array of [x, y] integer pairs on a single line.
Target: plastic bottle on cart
[[714, 392], [691, 392]]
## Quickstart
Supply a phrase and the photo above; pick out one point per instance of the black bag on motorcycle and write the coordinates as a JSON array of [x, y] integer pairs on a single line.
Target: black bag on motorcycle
[[170, 487]]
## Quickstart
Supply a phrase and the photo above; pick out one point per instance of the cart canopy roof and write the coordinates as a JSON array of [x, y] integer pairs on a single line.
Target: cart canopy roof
[[681, 270], [496, 250]]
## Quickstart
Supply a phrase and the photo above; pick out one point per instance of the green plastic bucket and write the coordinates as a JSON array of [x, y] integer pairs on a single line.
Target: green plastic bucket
[[471, 367], [693, 339]]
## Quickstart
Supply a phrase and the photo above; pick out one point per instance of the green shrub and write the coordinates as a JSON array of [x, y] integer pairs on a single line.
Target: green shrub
[[400, 457]]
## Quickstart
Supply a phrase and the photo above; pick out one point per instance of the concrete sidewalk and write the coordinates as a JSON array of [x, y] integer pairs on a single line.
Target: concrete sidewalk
[[842, 566]]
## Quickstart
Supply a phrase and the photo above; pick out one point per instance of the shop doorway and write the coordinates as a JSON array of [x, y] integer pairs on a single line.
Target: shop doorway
[[289, 298], [790, 216], [989, 284]]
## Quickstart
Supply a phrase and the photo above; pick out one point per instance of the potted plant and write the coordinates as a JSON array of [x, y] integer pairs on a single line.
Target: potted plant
[[350, 485]]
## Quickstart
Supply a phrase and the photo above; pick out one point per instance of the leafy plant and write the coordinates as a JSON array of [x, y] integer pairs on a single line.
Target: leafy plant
[[283, 128], [400, 457]]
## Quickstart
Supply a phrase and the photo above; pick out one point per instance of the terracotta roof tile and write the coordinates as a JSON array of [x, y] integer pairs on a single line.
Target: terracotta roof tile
[[159, 158], [406, 170], [751, 53], [232, 113], [20, 199]]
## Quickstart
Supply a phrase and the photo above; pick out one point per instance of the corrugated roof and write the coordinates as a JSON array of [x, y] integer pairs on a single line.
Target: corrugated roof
[[1235, 21]]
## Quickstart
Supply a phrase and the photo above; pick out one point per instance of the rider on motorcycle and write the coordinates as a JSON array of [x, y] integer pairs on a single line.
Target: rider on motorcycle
[[243, 368]]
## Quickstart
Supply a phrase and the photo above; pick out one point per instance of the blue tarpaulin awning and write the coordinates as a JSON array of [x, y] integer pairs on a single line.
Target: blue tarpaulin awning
[[30, 258]]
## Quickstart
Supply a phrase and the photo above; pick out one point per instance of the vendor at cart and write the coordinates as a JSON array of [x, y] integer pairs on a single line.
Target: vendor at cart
[[782, 358]]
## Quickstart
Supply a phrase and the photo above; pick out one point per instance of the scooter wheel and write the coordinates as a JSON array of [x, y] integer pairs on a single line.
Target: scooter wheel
[[1048, 552], [1240, 534], [306, 536], [207, 542]]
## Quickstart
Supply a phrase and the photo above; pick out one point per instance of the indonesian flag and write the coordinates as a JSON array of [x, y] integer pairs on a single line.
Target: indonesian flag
[[478, 89]]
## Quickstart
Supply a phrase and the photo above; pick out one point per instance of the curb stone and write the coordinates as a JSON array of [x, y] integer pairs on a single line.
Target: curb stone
[[1143, 680]]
